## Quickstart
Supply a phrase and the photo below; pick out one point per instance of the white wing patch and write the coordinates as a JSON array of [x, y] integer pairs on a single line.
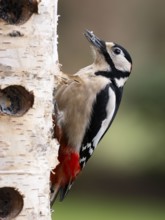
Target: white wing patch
[[110, 112], [83, 160], [88, 145]]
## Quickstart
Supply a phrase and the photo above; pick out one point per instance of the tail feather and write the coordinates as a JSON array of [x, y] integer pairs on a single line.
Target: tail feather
[[54, 191], [64, 190], [59, 190]]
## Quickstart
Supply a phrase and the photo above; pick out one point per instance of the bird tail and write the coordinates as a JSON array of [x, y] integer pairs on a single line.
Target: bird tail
[[56, 190]]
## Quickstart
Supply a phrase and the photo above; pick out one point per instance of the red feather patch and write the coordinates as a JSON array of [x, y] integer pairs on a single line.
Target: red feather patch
[[68, 167]]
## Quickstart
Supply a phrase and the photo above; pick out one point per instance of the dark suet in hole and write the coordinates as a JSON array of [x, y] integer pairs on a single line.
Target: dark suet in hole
[[15, 100], [15, 34], [11, 203], [17, 11]]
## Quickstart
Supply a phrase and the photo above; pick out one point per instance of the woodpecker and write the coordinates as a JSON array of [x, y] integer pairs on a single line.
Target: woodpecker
[[86, 105]]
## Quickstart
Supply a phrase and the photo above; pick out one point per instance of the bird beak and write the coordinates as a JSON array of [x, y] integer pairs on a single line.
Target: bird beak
[[95, 41]]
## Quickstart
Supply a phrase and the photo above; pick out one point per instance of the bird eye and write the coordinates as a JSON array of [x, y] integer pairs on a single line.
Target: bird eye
[[117, 50]]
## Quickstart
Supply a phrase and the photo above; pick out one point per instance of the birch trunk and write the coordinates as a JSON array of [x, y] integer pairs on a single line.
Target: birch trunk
[[28, 151]]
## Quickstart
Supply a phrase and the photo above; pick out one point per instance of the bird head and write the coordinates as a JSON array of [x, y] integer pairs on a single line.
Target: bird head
[[111, 59]]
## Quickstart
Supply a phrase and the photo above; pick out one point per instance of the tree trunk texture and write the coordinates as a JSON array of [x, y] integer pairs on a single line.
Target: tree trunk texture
[[28, 150]]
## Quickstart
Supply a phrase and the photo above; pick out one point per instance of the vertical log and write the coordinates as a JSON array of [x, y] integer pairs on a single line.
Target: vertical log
[[28, 64]]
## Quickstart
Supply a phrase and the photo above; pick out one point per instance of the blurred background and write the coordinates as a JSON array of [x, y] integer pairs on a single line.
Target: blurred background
[[125, 178]]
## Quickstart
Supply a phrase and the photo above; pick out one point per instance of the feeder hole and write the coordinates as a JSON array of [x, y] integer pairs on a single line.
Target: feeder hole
[[11, 203], [17, 11], [15, 100]]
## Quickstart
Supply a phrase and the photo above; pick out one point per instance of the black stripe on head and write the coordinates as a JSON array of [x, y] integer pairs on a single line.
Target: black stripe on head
[[115, 74], [108, 60]]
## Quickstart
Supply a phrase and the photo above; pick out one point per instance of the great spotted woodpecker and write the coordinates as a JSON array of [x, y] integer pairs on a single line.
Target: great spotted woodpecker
[[86, 104]]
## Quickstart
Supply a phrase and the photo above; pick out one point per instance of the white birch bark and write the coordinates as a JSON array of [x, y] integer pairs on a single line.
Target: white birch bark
[[27, 149]]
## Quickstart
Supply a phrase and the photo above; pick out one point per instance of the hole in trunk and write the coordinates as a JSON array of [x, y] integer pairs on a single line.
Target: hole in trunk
[[15, 101], [17, 11], [11, 203]]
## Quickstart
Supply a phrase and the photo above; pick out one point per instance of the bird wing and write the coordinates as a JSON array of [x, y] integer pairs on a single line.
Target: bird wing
[[104, 110], [75, 97], [98, 116]]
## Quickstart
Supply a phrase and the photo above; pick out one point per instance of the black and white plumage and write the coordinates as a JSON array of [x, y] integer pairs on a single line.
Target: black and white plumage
[[87, 103], [104, 111]]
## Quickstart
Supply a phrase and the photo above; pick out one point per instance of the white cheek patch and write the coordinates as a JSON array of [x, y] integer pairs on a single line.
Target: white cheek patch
[[121, 63], [119, 60]]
